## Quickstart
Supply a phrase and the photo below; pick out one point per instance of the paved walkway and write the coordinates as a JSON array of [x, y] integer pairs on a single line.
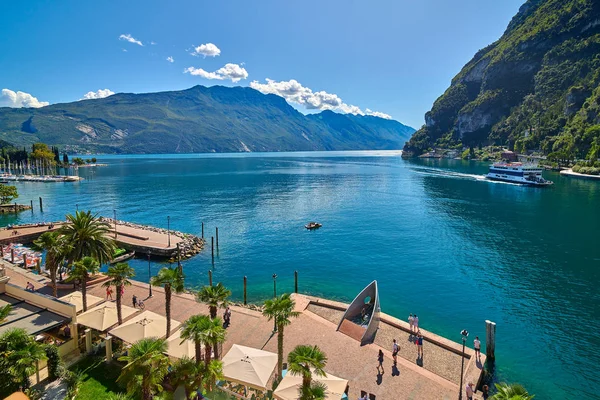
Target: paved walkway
[[346, 358]]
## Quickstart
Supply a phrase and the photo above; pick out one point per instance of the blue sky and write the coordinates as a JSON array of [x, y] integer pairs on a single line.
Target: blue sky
[[394, 57]]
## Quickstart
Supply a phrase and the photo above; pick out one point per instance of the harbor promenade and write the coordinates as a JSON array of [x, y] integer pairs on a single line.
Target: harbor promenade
[[437, 378]]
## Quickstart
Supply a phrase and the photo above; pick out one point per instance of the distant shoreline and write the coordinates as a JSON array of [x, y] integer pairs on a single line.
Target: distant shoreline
[[571, 173]]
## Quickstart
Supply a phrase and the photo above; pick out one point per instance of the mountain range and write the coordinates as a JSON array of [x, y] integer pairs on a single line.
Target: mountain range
[[537, 88], [199, 119]]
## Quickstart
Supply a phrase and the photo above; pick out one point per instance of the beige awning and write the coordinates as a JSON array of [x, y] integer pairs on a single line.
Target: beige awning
[[76, 298], [289, 385], [145, 325], [178, 349], [103, 316], [249, 366]]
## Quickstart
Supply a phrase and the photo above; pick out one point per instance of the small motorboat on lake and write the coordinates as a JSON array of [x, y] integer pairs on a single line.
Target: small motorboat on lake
[[313, 225], [121, 255]]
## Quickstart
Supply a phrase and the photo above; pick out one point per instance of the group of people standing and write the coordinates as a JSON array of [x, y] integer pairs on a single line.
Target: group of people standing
[[413, 322]]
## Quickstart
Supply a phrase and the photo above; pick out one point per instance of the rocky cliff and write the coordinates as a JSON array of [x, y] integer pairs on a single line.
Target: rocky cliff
[[536, 88]]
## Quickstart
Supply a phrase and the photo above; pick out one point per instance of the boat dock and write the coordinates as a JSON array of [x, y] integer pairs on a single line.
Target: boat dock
[[142, 239]]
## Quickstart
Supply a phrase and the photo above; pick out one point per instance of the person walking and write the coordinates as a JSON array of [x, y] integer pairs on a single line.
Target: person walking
[[134, 300], [469, 391], [416, 323], [410, 322], [380, 362], [419, 342], [109, 293], [477, 346], [395, 350]]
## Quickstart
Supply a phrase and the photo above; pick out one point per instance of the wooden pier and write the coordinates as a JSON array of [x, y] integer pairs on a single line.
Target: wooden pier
[[142, 239]]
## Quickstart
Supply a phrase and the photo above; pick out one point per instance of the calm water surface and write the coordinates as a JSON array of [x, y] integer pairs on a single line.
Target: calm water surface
[[442, 242]]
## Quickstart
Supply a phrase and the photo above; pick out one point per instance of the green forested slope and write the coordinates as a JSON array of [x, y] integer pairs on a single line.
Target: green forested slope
[[536, 88], [199, 119]]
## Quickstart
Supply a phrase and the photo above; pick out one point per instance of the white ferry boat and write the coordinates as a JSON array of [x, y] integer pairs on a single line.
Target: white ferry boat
[[516, 172]]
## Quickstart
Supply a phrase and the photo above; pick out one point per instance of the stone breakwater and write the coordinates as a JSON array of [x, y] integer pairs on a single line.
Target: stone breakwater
[[188, 245]]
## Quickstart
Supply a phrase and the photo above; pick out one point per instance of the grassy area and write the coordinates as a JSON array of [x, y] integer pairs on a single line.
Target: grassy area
[[99, 379]]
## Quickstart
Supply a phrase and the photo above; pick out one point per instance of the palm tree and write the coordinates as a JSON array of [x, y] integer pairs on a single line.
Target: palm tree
[[56, 251], [87, 236], [511, 392], [19, 356], [303, 360], [213, 334], [212, 373], [188, 373], [281, 309], [201, 329], [81, 272], [214, 296], [192, 330], [119, 275], [316, 391], [4, 311], [172, 280], [146, 367]]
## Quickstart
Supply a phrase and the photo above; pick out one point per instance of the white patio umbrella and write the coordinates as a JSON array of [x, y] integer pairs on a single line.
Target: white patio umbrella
[[76, 298], [103, 316], [249, 366], [178, 349], [290, 384], [145, 325]]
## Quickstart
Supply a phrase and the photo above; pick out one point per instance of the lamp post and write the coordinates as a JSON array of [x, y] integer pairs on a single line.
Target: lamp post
[[169, 230], [149, 278], [464, 333], [274, 296], [115, 218]]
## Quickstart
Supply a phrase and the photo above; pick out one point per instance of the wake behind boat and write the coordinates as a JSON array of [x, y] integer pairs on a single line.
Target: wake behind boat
[[516, 172]]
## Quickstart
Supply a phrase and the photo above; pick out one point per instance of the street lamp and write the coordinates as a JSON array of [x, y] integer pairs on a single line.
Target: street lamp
[[169, 230], [149, 278], [274, 295], [115, 218], [464, 333]]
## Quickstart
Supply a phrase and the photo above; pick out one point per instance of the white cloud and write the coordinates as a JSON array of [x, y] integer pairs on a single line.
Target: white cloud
[[130, 39], [19, 99], [170, 59], [153, 43], [205, 50], [294, 92], [378, 114], [233, 72], [125, 50], [99, 94]]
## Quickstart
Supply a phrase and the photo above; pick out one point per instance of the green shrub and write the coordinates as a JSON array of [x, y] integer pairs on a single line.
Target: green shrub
[[55, 365]]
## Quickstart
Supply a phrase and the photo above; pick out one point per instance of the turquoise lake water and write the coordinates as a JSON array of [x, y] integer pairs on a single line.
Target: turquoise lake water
[[442, 243]]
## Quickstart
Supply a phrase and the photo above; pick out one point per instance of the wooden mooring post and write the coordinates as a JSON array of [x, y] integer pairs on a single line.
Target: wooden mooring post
[[217, 235], [31, 202], [41, 205], [245, 286], [12, 255], [209, 277], [16, 208], [295, 281], [212, 248], [203, 230], [490, 340]]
